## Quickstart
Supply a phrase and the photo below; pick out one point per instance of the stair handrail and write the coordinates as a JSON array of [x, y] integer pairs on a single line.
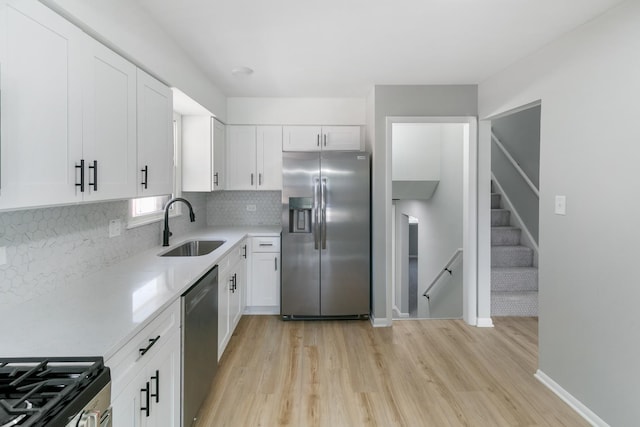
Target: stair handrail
[[445, 269], [515, 164]]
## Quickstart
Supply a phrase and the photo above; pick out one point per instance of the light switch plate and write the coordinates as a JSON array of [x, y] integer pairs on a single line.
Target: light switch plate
[[115, 227], [561, 205], [251, 208]]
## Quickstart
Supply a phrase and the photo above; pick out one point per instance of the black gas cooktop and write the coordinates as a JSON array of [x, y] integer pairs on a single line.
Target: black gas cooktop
[[48, 391]]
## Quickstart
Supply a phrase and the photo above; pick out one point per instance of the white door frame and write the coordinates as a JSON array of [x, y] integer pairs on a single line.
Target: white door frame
[[469, 206]]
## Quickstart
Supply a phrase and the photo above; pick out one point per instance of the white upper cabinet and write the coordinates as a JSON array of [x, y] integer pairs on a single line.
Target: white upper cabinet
[[254, 157], [301, 138], [109, 124], [241, 158], [41, 79], [317, 138], [269, 157], [203, 154], [155, 137]]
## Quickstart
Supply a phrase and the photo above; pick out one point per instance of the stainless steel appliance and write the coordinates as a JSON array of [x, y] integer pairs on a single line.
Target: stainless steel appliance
[[199, 343], [55, 392], [325, 235]]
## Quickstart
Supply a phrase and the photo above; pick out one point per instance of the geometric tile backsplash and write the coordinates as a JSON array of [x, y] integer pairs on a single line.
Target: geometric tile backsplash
[[48, 247], [229, 208]]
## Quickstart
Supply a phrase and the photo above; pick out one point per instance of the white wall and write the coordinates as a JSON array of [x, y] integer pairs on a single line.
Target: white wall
[[296, 111], [127, 28], [589, 84]]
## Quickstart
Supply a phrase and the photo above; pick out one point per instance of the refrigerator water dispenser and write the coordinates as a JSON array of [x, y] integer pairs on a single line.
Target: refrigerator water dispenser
[[300, 214]]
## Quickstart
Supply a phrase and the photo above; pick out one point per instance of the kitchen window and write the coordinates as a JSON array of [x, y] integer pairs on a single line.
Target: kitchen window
[[146, 210]]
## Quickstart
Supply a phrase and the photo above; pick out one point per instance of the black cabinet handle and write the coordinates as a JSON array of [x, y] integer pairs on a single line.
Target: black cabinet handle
[[318, 143], [95, 175], [244, 248], [152, 341], [146, 408], [157, 393], [235, 282], [325, 139], [145, 176], [215, 179], [81, 167], [260, 179], [276, 263], [251, 179]]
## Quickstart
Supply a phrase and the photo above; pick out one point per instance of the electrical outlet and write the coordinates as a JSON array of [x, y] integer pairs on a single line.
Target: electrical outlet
[[251, 208], [3, 255], [115, 227], [561, 205]]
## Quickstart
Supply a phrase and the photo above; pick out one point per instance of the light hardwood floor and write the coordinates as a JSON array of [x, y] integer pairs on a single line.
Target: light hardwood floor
[[347, 373]]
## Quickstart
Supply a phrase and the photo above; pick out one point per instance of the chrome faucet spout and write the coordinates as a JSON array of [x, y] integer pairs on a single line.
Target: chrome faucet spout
[[165, 232]]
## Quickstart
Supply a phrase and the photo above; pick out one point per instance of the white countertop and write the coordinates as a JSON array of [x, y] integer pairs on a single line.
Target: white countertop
[[97, 315]]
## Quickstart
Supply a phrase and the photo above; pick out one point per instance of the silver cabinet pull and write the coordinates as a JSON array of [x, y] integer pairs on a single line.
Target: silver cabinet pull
[[318, 143], [276, 263], [325, 139], [251, 179], [260, 179]]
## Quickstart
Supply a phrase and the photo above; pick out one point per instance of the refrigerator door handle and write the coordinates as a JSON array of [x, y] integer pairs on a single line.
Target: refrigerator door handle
[[323, 219], [316, 234]]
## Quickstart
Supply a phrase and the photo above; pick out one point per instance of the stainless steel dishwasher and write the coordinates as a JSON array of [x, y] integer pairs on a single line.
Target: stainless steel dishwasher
[[199, 343]]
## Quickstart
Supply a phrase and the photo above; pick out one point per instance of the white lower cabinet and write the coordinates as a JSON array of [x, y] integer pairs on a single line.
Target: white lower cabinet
[[146, 375], [263, 288], [231, 290]]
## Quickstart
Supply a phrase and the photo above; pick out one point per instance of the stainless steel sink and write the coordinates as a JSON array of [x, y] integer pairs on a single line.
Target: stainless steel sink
[[195, 248]]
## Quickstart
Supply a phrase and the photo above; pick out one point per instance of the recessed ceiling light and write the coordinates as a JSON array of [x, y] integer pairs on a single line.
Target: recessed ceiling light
[[242, 71]]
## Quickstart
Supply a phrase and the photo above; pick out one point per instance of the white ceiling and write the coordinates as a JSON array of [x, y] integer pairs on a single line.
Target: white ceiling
[[341, 48]]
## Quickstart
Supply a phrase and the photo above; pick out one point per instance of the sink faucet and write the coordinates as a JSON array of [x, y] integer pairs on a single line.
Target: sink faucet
[[166, 233]]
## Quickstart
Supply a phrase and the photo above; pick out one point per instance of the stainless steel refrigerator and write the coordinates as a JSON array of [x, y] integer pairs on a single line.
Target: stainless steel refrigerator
[[325, 235]]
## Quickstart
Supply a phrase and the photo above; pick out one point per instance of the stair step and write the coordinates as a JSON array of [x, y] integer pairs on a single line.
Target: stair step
[[500, 217], [514, 304], [495, 200], [505, 236], [509, 279], [511, 256]]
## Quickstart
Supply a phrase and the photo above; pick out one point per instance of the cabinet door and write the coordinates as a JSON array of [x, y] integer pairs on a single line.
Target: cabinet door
[[109, 124], [269, 157], [224, 283], [126, 407], [219, 156], [265, 287], [341, 138], [197, 153], [155, 137], [301, 138], [41, 78], [164, 382], [241, 155], [235, 297]]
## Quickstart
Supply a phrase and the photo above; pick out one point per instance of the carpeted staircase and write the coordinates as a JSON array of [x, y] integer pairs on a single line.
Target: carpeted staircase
[[514, 279]]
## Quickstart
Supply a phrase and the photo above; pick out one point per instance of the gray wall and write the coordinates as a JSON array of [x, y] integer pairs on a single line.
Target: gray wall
[[49, 247], [413, 240], [440, 231], [434, 100], [588, 84], [520, 135]]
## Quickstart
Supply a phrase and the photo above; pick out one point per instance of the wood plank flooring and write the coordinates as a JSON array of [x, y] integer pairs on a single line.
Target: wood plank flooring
[[347, 373]]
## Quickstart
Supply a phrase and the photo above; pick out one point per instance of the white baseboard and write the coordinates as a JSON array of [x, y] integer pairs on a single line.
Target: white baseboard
[[383, 322], [262, 310], [484, 322], [398, 314], [574, 403]]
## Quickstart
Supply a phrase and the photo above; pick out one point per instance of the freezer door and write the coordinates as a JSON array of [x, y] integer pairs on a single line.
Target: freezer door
[[300, 288], [345, 236]]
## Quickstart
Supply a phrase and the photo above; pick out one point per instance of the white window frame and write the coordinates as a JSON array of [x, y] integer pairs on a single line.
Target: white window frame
[[176, 209]]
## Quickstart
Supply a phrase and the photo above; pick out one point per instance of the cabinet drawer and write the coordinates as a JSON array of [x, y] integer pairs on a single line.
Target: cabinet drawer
[[126, 363], [265, 244]]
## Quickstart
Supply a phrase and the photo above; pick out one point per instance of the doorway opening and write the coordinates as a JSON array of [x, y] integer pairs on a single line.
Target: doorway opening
[[431, 207]]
